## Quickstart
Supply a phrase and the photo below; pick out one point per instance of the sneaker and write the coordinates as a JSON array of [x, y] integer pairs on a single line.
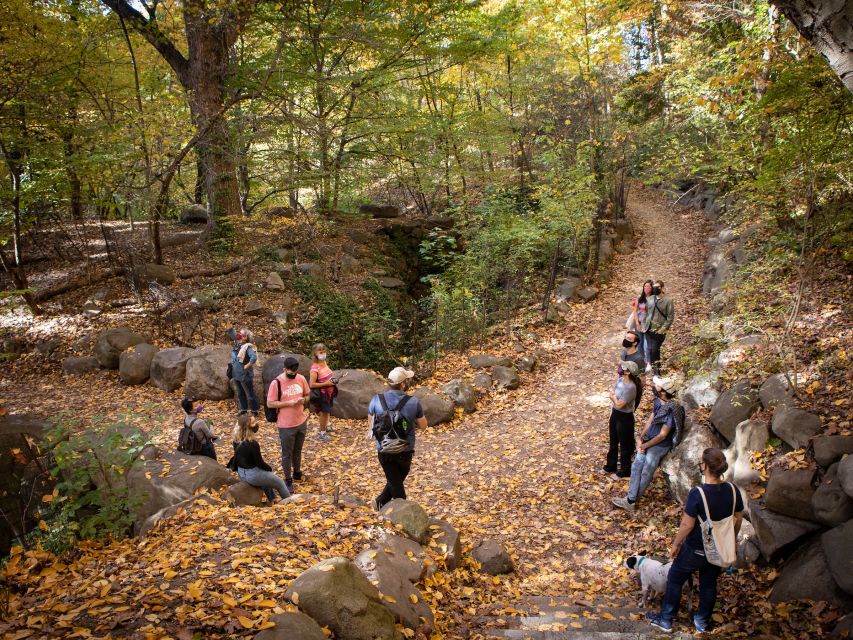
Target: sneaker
[[374, 504], [648, 369], [605, 471], [329, 428], [297, 475], [700, 625], [325, 437], [623, 503], [289, 484], [615, 477], [659, 623]]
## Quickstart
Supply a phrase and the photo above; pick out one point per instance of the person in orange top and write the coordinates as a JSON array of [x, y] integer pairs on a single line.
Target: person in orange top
[[323, 388], [288, 393]]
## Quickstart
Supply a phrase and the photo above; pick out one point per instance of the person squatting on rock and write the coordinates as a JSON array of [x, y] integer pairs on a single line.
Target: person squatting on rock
[[288, 394], [653, 443], [660, 312], [202, 430], [392, 418], [637, 319], [631, 352], [621, 425], [250, 464], [323, 388], [243, 359], [715, 499]]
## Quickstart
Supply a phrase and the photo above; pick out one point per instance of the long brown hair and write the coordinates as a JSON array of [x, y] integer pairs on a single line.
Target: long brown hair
[[243, 429]]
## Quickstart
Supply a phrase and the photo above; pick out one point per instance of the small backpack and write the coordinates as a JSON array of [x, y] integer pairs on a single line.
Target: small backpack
[[188, 440], [678, 417], [269, 413], [390, 427], [718, 536]]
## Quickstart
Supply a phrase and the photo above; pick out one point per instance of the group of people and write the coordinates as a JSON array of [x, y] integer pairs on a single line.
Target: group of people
[[637, 456]]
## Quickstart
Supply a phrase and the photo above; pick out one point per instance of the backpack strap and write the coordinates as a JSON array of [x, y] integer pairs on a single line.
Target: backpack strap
[[734, 498], [705, 502], [383, 402], [402, 402]]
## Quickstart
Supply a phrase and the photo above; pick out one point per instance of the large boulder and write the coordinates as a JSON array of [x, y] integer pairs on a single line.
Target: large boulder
[[837, 546], [194, 214], [243, 494], [795, 426], [701, 391], [775, 392], [716, 270], [587, 294], [134, 365], [506, 377], [169, 368], [398, 594], [733, 407], [356, 389], [485, 360], [436, 409], [845, 474], [381, 211], [110, 343], [681, 465], [748, 550], [790, 492], [808, 576], [292, 625], [408, 557], [830, 449], [159, 479], [831, 505], [482, 381], [207, 373], [568, 288], [410, 517], [776, 533], [159, 273], [750, 437], [493, 558], [274, 282], [78, 365], [462, 394], [336, 594], [527, 363], [445, 538]]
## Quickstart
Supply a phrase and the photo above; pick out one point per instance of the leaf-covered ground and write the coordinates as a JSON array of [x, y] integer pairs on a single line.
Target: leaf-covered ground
[[522, 469]]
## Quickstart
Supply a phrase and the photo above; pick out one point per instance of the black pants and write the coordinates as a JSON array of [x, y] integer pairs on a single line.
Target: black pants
[[207, 450], [655, 340], [396, 467], [621, 442]]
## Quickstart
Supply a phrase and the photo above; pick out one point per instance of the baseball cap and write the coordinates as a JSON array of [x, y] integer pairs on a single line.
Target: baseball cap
[[399, 374], [667, 384], [630, 366]]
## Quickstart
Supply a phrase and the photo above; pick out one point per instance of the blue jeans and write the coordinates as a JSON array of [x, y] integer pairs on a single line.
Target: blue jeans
[[265, 480], [643, 470], [688, 561], [245, 391]]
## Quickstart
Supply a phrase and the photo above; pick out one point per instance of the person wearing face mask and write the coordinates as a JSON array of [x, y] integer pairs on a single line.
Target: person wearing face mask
[[323, 388], [631, 352], [250, 465], [659, 317], [288, 393], [203, 433], [621, 426]]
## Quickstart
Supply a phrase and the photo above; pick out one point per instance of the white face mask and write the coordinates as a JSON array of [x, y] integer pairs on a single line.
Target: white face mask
[[321, 357]]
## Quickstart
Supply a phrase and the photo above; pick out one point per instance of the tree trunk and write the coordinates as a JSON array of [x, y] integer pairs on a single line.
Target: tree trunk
[[826, 24], [200, 187]]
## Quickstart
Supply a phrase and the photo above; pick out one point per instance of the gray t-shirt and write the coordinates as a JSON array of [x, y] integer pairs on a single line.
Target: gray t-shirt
[[625, 391], [636, 357]]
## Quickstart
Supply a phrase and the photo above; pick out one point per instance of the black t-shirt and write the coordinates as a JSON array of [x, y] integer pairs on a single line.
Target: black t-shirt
[[247, 455], [719, 497]]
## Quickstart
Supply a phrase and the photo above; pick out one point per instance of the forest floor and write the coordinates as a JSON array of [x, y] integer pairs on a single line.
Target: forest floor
[[523, 469]]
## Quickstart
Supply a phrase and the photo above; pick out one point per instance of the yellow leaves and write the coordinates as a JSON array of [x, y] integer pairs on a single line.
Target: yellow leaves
[[169, 574], [326, 568], [228, 600], [576, 625], [407, 633], [294, 598], [413, 598], [390, 599], [607, 615], [268, 624], [236, 563], [267, 603], [247, 624]]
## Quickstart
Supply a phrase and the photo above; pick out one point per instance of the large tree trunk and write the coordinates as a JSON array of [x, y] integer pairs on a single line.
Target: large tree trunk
[[828, 25]]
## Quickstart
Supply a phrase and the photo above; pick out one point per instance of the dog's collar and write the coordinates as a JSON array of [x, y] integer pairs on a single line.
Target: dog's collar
[[640, 562]]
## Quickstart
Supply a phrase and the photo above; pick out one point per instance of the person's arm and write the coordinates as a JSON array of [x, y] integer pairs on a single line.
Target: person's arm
[[200, 426], [645, 430], [669, 316], [320, 385], [664, 432], [273, 395], [684, 529], [738, 522], [421, 422], [253, 358], [619, 404], [257, 458]]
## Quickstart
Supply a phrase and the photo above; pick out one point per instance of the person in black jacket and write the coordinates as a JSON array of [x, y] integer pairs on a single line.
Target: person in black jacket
[[250, 465]]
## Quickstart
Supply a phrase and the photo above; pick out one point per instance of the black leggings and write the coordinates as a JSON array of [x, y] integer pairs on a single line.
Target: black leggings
[[621, 442], [396, 467], [655, 341]]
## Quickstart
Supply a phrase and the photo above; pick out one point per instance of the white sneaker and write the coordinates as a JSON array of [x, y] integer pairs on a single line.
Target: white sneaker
[[325, 437], [648, 369], [623, 503]]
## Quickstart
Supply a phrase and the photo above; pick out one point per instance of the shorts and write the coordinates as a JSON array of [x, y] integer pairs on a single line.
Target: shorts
[[323, 406]]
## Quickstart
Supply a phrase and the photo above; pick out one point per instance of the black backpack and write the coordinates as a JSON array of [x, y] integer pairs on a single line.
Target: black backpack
[[272, 414], [678, 417], [188, 440], [390, 427]]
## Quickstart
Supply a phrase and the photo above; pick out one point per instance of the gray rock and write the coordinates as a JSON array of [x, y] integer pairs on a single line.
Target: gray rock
[[776, 392], [462, 394], [727, 235], [790, 492], [281, 318], [91, 309], [286, 255], [806, 576], [255, 308], [748, 551], [74, 365], [733, 407], [391, 283], [349, 264], [506, 377], [795, 426], [837, 546], [336, 594], [244, 494], [398, 594], [681, 465], [439, 222], [831, 505], [356, 389], [206, 373], [561, 307], [527, 363], [605, 250], [169, 368], [410, 517], [700, 391], [134, 365], [167, 512], [206, 301], [408, 557], [110, 343], [843, 629], [194, 214], [567, 289], [274, 282], [160, 273], [716, 270], [750, 437], [445, 538], [311, 270], [587, 293], [829, 449], [493, 558], [482, 381], [292, 625], [845, 474], [484, 361], [436, 408], [381, 211], [738, 350], [776, 533]]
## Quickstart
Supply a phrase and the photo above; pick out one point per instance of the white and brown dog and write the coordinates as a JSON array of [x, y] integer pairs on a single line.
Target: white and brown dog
[[653, 575]]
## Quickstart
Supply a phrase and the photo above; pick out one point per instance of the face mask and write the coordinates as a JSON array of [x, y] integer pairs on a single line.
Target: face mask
[[199, 408], [291, 374], [656, 291], [627, 343], [321, 357], [620, 370]]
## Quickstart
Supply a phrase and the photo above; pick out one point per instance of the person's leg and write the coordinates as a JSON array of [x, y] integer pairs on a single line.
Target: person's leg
[[654, 340], [652, 461], [636, 472], [252, 403], [708, 575], [260, 478], [298, 442], [613, 450], [684, 565], [323, 419], [626, 443], [240, 395], [404, 465], [288, 441], [385, 496]]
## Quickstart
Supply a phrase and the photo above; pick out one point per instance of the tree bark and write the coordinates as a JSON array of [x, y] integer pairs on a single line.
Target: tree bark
[[828, 25]]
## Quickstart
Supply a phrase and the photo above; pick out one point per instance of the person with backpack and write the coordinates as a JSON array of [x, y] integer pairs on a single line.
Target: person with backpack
[[196, 437], [287, 396], [323, 389], [392, 419], [621, 424], [242, 368], [250, 464], [706, 542], [659, 316], [653, 443]]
